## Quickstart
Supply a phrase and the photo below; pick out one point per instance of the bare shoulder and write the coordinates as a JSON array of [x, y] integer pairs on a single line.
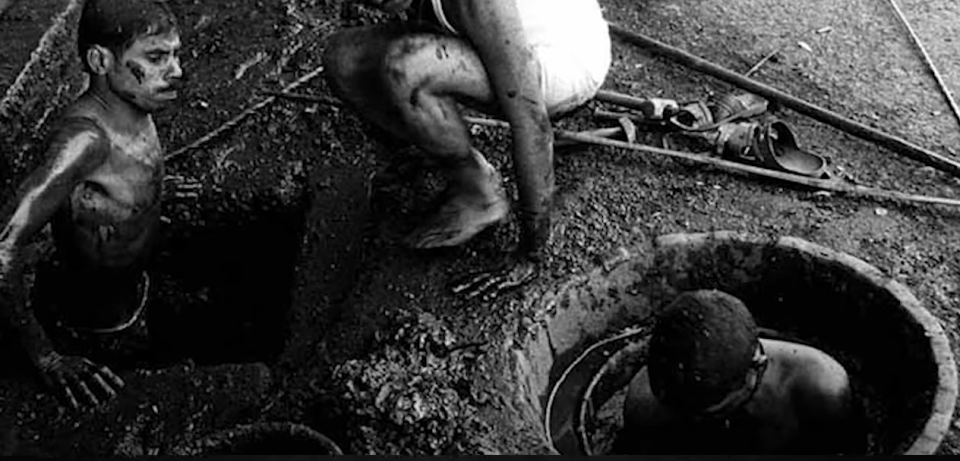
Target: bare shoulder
[[75, 145], [82, 114], [815, 379], [78, 119]]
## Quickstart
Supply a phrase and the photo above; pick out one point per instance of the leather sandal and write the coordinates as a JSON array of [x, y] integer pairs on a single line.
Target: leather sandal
[[770, 144]]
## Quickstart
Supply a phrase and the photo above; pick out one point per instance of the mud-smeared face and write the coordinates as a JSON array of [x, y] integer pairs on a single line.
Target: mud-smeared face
[[390, 6], [148, 73]]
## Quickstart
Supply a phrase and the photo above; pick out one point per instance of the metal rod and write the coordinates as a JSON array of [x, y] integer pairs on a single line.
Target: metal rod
[[927, 60], [587, 138], [825, 184], [619, 99], [860, 130]]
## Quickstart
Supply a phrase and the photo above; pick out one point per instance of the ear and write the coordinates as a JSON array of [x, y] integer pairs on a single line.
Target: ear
[[100, 59]]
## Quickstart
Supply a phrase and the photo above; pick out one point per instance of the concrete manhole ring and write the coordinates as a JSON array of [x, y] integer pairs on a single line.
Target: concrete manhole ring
[[275, 438], [894, 349]]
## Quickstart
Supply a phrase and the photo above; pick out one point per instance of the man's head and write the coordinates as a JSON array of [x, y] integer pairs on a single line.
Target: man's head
[[133, 45], [703, 352]]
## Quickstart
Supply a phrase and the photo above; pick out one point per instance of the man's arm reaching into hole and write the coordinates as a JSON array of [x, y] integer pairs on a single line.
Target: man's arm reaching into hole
[[76, 149], [495, 30]]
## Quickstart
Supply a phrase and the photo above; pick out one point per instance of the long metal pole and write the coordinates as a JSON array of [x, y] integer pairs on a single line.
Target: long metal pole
[[927, 60], [860, 130]]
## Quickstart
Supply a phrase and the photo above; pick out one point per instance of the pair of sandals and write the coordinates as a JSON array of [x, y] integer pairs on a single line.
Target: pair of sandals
[[740, 129]]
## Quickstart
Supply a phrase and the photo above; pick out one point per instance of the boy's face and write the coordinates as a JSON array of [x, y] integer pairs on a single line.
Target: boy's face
[[148, 73]]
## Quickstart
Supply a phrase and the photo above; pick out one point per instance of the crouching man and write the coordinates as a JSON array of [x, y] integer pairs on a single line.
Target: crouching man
[[100, 189], [711, 386], [524, 60]]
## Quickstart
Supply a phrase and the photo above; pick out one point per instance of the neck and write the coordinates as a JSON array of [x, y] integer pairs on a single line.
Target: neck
[[739, 404], [120, 111]]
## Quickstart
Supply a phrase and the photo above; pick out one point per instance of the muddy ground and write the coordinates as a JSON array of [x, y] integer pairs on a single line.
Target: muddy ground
[[361, 336]]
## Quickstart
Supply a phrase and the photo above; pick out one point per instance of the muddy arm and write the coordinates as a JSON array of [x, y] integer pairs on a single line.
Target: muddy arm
[[74, 151], [495, 30]]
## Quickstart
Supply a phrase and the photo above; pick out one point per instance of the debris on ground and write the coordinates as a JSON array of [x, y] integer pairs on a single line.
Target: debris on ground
[[412, 396]]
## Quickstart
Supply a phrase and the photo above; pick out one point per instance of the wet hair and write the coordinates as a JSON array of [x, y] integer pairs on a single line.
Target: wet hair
[[701, 348], [116, 24]]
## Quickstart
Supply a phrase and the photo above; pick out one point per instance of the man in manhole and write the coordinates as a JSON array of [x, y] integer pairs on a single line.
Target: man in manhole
[[526, 60], [100, 189], [711, 385]]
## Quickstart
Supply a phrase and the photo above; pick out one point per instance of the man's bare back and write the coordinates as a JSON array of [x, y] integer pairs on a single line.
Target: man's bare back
[[100, 189], [800, 405]]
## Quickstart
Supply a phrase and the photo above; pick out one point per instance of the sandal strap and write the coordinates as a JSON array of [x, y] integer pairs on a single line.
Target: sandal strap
[[739, 106], [736, 141], [694, 117]]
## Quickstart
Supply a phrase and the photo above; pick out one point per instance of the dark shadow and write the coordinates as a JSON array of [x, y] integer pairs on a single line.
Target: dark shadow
[[224, 286]]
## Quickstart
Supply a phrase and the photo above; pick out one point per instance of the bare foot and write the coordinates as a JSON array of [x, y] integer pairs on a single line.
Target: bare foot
[[460, 218]]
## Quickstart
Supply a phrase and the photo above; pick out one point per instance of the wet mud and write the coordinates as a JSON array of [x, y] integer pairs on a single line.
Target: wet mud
[[292, 250]]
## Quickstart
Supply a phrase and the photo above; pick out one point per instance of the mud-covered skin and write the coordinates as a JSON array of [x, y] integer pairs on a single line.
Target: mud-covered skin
[[100, 188], [410, 84], [111, 217], [803, 405]]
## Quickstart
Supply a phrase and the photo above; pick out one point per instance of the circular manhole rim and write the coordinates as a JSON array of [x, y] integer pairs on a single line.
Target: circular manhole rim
[[945, 397], [227, 437], [944, 400]]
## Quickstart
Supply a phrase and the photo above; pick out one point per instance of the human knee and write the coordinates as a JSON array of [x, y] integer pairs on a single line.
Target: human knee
[[402, 68]]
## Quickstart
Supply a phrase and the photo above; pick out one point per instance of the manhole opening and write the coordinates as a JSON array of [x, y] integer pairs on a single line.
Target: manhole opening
[[224, 288], [872, 326]]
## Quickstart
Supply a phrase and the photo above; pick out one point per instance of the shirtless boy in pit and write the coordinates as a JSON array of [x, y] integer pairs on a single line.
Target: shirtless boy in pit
[[711, 386], [525, 60], [100, 190]]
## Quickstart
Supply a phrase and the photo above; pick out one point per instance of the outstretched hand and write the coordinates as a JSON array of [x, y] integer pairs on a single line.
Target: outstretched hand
[[78, 381], [517, 272]]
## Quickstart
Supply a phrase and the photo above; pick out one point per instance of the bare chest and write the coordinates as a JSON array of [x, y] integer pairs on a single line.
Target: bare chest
[[127, 182]]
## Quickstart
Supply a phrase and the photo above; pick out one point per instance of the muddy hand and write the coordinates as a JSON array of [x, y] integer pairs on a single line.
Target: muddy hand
[[494, 283], [183, 187], [78, 381]]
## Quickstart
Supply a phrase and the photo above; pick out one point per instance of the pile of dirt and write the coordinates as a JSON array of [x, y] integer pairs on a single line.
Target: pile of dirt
[[413, 395]]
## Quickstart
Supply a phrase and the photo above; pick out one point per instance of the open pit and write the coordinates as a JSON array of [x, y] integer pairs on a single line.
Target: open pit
[[895, 351], [289, 188]]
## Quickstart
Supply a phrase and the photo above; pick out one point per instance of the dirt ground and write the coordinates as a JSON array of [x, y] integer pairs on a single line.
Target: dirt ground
[[380, 356]]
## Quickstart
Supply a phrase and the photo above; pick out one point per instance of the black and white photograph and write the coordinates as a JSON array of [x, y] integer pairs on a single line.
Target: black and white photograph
[[479, 227]]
